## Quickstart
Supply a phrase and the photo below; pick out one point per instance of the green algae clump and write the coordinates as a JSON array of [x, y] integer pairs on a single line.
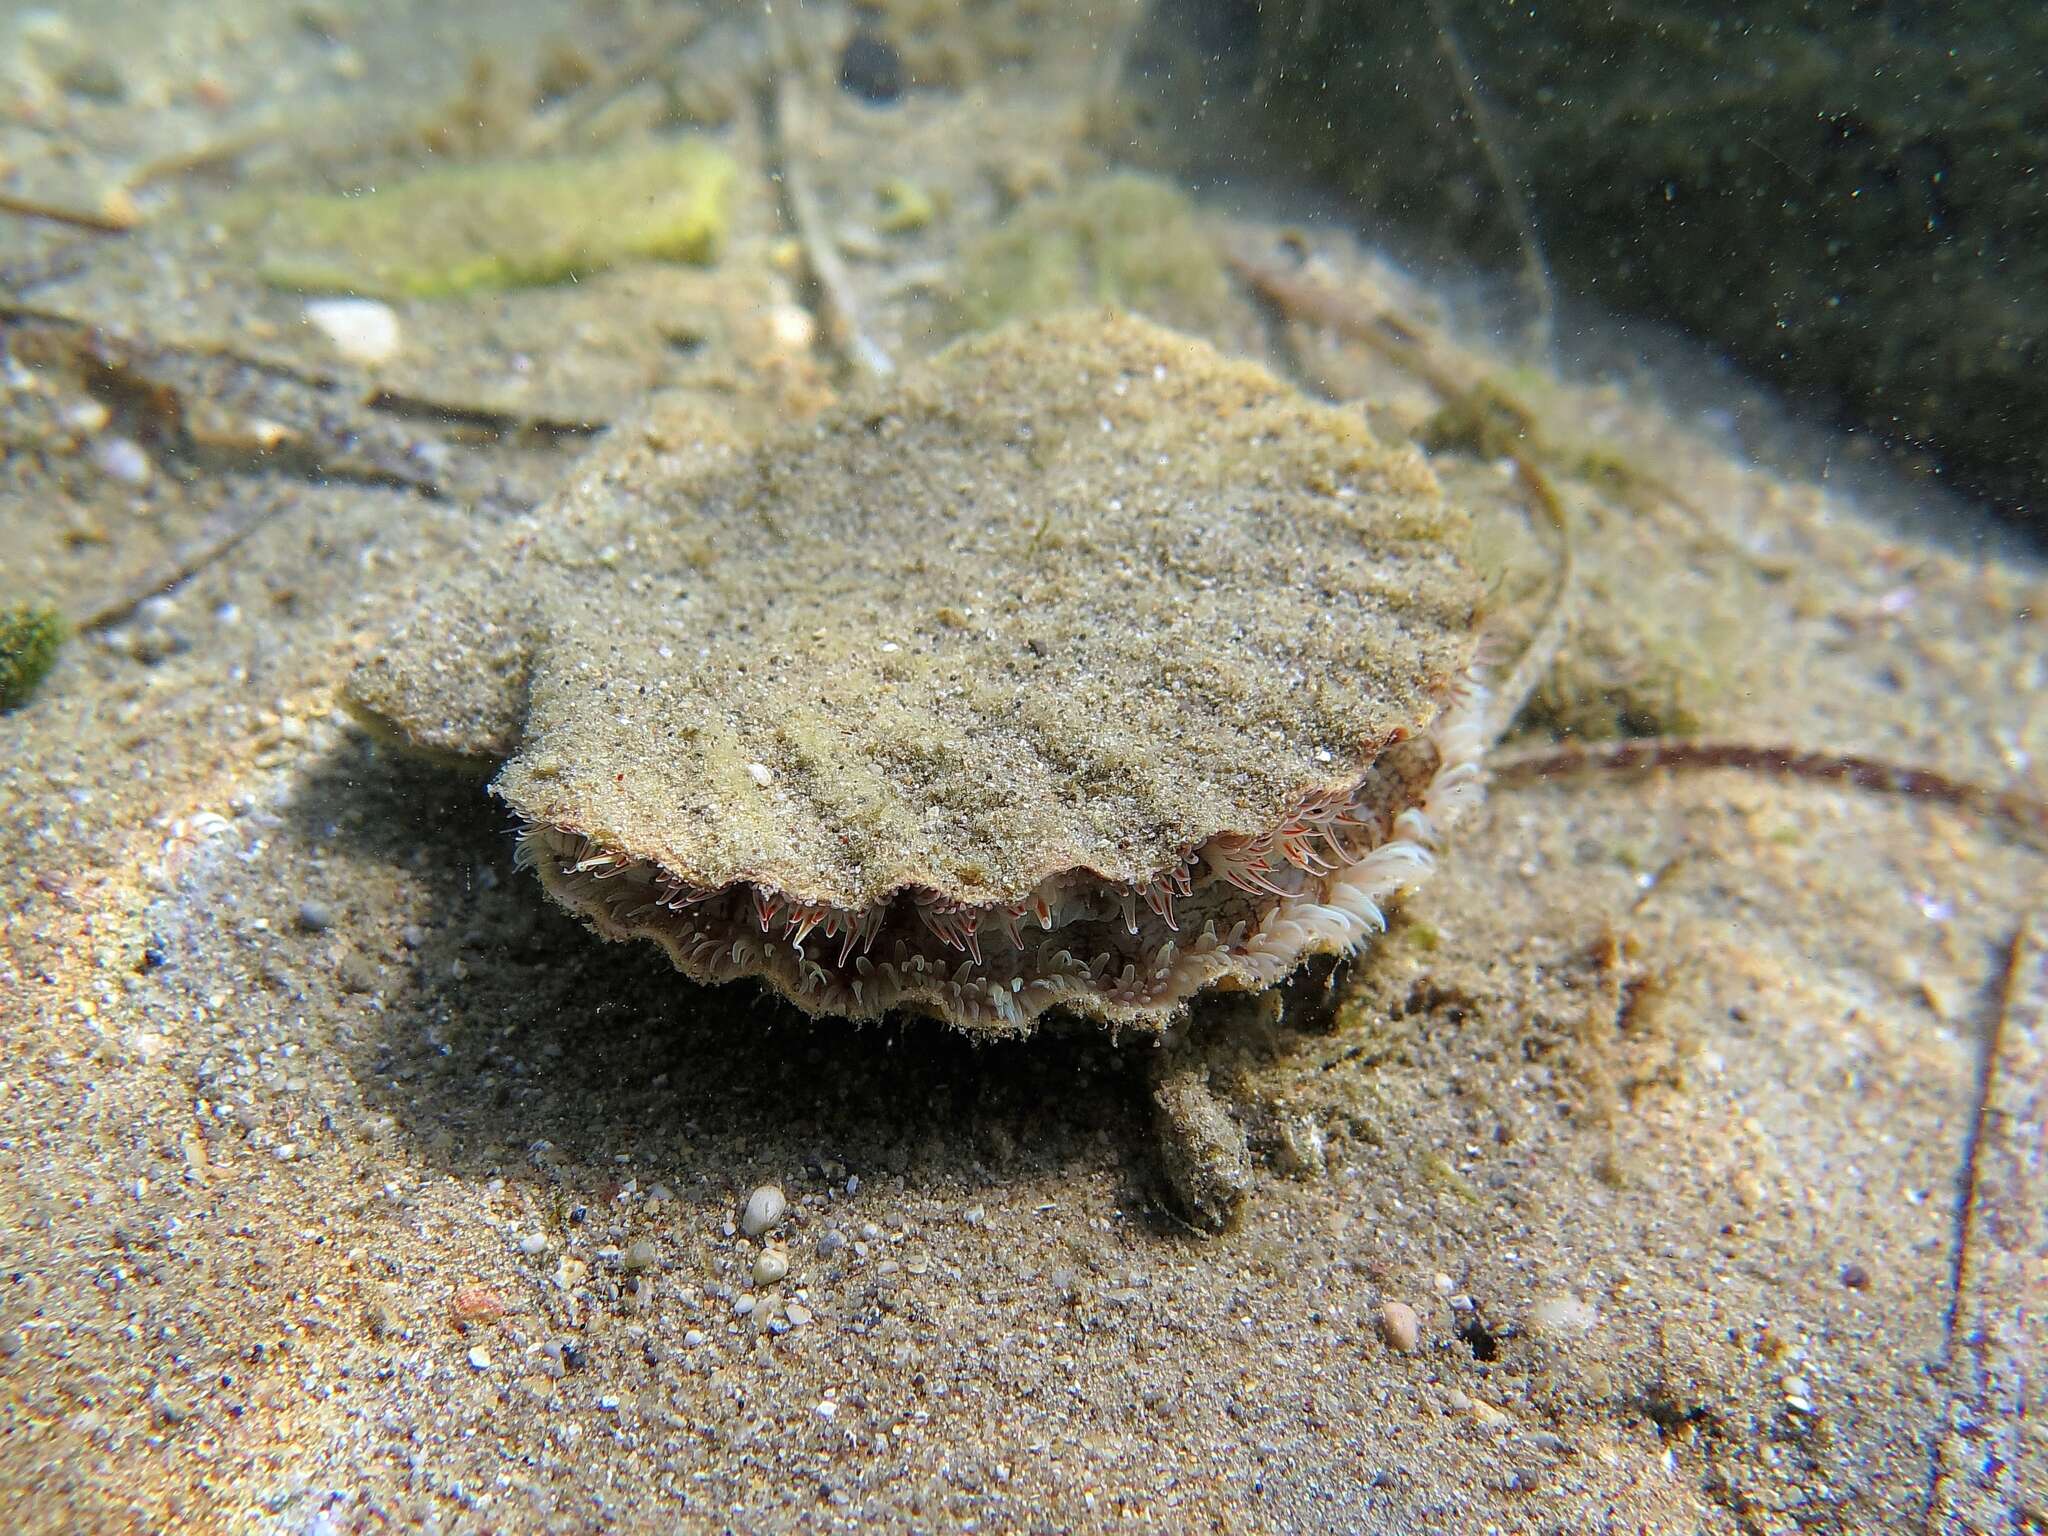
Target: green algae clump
[[1613, 683], [30, 637], [1123, 239], [512, 224], [1486, 421], [904, 207]]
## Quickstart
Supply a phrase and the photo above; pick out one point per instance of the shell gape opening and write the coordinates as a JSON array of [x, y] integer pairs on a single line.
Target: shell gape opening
[[1242, 910]]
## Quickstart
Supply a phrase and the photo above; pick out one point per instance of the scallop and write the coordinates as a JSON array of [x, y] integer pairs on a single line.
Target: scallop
[[1080, 667]]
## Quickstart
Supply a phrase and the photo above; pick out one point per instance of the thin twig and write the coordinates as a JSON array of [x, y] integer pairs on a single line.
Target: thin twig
[[1318, 303], [187, 563], [2022, 813], [119, 223], [1995, 1326], [213, 155], [832, 288]]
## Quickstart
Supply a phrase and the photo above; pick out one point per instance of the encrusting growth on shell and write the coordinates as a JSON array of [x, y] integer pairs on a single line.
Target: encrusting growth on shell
[[1078, 668]]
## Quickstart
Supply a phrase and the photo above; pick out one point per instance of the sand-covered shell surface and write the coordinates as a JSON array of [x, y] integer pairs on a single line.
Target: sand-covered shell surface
[[1079, 668]]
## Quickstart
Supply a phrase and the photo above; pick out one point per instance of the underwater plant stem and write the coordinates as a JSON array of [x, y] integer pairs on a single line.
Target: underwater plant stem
[[1539, 651], [832, 289], [2020, 812], [1318, 303], [1535, 270]]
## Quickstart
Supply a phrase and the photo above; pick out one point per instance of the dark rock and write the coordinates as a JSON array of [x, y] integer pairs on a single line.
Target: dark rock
[[871, 68]]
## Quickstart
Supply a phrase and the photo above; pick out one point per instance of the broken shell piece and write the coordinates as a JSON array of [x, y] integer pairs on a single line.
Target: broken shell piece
[[1176, 687]]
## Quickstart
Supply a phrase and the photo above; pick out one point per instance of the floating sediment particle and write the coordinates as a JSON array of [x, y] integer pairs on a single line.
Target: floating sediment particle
[[506, 224], [1088, 669]]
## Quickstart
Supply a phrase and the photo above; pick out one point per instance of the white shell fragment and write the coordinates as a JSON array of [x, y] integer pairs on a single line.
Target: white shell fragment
[[364, 331]]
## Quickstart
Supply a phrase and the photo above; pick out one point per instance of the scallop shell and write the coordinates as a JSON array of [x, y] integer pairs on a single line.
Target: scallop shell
[[1082, 667]]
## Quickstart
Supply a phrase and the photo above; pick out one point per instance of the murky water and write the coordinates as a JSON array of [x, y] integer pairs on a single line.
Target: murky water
[[1670, 1162]]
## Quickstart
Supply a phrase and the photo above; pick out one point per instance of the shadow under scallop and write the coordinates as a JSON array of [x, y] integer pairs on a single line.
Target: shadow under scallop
[[512, 1042]]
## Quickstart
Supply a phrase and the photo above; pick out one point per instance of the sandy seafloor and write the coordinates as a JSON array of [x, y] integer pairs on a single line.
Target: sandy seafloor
[[1697, 1115]]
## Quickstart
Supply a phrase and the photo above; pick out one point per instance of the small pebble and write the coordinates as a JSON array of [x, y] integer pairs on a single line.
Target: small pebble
[[533, 1245], [693, 1337], [831, 1243], [473, 1304], [355, 973], [150, 642], [315, 916], [770, 1265], [797, 1313], [1855, 1277], [641, 1255], [761, 774], [792, 326], [1561, 1315], [1400, 1327], [85, 418], [171, 1409], [763, 1210], [95, 77], [363, 331], [870, 68], [480, 1358], [744, 1306], [122, 459]]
